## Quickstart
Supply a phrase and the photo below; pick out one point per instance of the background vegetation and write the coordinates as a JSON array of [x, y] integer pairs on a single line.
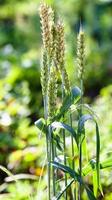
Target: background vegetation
[[22, 148]]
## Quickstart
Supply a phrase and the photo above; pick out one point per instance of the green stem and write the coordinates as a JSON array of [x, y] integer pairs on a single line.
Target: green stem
[[47, 147], [80, 142], [72, 146], [64, 140], [49, 158], [53, 172], [64, 147]]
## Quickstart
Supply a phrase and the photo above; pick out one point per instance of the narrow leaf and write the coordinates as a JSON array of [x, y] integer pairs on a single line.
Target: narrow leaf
[[106, 163], [81, 124], [62, 192], [40, 124], [68, 170], [75, 176], [82, 121], [90, 194], [89, 167], [95, 183], [70, 99], [61, 125]]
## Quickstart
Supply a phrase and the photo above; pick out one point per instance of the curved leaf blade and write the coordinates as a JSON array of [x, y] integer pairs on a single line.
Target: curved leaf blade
[[81, 124], [40, 124], [82, 121], [62, 192], [66, 127], [75, 176], [70, 99], [106, 163], [68, 170]]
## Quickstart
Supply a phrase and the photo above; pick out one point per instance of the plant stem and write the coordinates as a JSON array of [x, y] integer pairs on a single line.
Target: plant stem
[[53, 172], [80, 142], [48, 166], [72, 146], [64, 140], [49, 158], [47, 147], [64, 147]]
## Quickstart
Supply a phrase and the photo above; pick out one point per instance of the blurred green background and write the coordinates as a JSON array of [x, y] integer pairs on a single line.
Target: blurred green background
[[22, 148]]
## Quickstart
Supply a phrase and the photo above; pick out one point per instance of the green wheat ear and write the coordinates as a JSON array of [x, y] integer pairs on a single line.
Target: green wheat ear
[[81, 53], [52, 93], [44, 73], [47, 23], [47, 26], [60, 55]]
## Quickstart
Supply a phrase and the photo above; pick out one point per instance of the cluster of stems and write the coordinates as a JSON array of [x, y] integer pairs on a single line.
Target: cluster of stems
[[52, 60], [53, 64]]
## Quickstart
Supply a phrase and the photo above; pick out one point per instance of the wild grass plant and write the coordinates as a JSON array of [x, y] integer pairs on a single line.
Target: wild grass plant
[[68, 166]]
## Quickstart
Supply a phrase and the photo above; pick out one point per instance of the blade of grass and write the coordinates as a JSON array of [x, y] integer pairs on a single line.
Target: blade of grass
[[62, 192], [68, 101], [60, 125], [81, 124], [63, 132], [76, 177]]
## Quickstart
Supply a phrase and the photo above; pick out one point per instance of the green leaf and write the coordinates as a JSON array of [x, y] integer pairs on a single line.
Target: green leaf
[[70, 99], [90, 193], [95, 183], [62, 192], [106, 163], [58, 142], [82, 121], [81, 124], [68, 170], [61, 125], [75, 176], [40, 124], [91, 165]]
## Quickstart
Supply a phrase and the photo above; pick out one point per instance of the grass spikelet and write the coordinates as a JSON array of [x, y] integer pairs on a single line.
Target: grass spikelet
[[80, 53], [60, 55], [44, 73], [52, 93], [47, 22]]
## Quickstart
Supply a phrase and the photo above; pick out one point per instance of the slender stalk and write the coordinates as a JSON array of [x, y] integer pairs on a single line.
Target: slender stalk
[[64, 140], [47, 147], [53, 171], [48, 167], [80, 142], [52, 144], [72, 146], [64, 147], [49, 155]]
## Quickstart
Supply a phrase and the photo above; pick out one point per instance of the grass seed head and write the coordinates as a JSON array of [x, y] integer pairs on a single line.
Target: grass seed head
[[60, 54], [80, 53], [60, 44], [47, 22], [44, 73], [52, 93]]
